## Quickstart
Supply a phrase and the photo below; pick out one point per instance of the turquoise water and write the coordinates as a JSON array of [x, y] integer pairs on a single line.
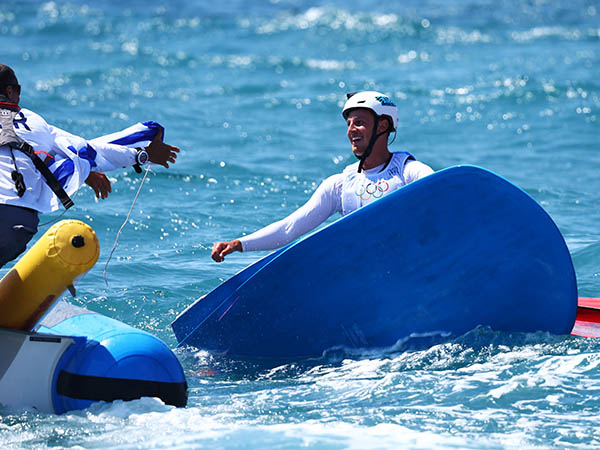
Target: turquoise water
[[251, 92]]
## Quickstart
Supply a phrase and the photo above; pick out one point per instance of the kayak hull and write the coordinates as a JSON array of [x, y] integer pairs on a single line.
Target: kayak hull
[[459, 249]]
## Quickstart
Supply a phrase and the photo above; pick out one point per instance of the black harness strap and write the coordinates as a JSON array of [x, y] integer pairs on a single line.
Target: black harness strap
[[49, 176]]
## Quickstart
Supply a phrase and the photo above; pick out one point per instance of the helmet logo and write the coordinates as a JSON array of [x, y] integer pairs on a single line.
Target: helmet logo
[[385, 101]]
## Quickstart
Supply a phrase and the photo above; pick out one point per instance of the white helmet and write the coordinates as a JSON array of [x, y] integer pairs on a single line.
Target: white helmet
[[380, 104]]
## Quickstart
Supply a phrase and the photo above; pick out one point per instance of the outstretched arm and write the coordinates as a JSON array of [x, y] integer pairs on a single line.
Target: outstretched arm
[[323, 203], [118, 150]]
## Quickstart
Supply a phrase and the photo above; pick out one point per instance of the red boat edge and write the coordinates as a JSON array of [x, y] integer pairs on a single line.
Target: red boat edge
[[587, 322]]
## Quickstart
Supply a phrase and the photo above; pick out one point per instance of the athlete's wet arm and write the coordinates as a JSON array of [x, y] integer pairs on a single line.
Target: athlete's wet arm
[[323, 203]]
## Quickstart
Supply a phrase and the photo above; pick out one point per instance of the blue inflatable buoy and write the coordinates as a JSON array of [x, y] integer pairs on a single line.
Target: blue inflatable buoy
[[109, 361]]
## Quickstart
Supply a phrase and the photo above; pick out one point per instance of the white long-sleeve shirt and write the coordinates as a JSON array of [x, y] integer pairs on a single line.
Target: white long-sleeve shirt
[[71, 158], [360, 189]]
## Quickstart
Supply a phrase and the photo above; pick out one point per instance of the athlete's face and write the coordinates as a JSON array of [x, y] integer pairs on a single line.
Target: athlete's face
[[360, 127]]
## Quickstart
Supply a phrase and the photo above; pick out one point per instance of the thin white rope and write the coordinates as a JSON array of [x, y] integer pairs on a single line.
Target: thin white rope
[[125, 222]]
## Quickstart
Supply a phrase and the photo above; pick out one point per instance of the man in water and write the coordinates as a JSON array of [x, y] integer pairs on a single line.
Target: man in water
[[41, 165], [370, 118]]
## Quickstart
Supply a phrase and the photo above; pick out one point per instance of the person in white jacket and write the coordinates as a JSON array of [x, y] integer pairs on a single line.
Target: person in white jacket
[[41, 166], [370, 118]]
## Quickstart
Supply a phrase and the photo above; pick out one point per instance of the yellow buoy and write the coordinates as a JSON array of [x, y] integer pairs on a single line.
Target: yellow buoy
[[67, 250]]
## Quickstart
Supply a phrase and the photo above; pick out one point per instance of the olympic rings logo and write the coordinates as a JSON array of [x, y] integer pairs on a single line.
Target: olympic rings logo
[[374, 190]]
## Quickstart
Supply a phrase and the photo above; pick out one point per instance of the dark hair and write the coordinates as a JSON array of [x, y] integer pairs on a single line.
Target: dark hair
[[7, 77]]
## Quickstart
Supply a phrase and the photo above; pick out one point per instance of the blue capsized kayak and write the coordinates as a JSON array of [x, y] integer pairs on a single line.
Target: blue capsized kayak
[[458, 249]]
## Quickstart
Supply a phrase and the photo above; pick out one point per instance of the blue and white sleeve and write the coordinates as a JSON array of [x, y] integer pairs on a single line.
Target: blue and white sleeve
[[118, 150], [112, 151]]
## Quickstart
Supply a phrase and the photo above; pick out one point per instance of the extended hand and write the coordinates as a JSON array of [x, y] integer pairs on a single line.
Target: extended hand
[[99, 183], [222, 249], [160, 152]]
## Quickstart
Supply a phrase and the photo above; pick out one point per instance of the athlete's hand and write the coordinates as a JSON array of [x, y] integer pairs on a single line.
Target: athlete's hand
[[99, 183], [160, 152], [222, 249]]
